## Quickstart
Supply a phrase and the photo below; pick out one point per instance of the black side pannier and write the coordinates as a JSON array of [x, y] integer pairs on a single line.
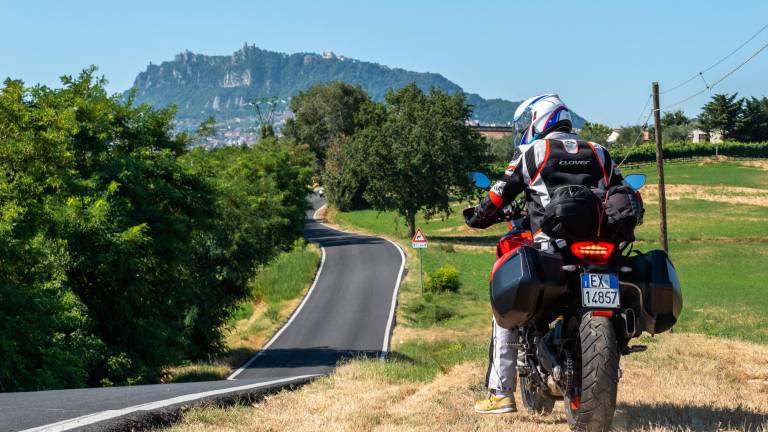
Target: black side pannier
[[654, 273], [624, 212], [526, 286], [574, 213]]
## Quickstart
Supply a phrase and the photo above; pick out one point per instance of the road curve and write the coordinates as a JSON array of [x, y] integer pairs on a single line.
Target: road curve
[[348, 311]]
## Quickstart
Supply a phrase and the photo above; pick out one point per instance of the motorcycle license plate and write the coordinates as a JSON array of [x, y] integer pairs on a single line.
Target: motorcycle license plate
[[600, 290]]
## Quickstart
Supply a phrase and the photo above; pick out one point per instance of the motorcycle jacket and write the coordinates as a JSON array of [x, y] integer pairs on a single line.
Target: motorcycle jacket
[[539, 168]]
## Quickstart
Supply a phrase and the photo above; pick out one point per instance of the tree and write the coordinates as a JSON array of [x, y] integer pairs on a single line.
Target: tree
[[753, 125], [122, 251], [674, 118], [629, 136], [675, 126], [722, 114], [324, 112], [595, 132], [419, 156], [503, 148]]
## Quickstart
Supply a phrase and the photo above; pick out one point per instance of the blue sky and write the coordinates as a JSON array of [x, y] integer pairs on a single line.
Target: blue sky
[[600, 56]]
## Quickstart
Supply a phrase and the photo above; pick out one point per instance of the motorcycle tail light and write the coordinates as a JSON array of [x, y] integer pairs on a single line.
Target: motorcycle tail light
[[593, 252]]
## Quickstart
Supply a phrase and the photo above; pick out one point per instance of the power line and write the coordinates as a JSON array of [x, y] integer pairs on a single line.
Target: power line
[[642, 129], [701, 74], [647, 101], [719, 80]]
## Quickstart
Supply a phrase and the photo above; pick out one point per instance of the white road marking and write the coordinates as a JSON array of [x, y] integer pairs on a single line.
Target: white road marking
[[391, 320], [111, 414], [285, 326], [89, 419], [393, 305]]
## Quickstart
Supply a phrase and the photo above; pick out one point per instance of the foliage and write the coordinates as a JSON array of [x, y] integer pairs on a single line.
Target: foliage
[[325, 112], [676, 133], [629, 136], [121, 252], [344, 173], [676, 150], [722, 114], [429, 310], [753, 125], [674, 118], [446, 278], [502, 149], [286, 276], [419, 155], [595, 132]]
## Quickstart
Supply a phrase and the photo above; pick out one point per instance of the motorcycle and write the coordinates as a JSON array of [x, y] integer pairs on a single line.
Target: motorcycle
[[577, 305]]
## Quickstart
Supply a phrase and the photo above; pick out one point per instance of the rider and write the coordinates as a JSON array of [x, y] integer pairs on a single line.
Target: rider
[[549, 155]]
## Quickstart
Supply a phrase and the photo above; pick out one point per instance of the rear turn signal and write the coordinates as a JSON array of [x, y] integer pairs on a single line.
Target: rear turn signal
[[593, 252]]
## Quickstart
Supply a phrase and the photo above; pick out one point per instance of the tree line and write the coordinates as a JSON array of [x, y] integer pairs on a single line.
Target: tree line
[[410, 153], [736, 119], [122, 250]]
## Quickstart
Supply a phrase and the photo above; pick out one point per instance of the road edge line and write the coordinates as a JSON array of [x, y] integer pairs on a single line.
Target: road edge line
[[290, 320], [398, 281], [101, 416], [393, 306]]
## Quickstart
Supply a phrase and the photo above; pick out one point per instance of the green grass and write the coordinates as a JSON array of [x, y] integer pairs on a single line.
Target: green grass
[[691, 219], [244, 310], [417, 361], [719, 249], [724, 289], [285, 277], [711, 174]]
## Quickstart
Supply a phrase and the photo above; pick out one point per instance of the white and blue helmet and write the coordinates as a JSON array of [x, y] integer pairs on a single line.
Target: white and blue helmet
[[540, 115]]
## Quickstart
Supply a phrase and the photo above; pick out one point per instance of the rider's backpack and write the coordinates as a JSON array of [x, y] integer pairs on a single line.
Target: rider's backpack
[[624, 212], [574, 213]]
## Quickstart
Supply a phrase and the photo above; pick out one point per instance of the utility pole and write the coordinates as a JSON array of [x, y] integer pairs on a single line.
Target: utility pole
[[660, 166]]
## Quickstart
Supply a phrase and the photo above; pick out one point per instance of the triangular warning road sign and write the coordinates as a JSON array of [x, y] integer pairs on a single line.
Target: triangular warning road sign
[[419, 239]]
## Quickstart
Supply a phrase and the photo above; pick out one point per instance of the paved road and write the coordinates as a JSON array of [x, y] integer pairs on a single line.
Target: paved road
[[347, 312]]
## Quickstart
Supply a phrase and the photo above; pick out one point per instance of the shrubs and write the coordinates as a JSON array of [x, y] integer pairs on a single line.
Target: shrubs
[[429, 309], [676, 150], [445, 278]]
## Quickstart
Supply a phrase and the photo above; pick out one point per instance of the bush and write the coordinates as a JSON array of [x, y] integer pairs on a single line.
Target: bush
[[428, 310], [676, 150], [445, 278]]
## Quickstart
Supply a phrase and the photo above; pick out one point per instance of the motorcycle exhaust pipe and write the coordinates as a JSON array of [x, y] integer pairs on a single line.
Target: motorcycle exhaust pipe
[[630, 324]]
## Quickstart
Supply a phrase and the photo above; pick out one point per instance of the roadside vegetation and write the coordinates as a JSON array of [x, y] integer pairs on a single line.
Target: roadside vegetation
[[274, 293], [123, 252], [708, 375]]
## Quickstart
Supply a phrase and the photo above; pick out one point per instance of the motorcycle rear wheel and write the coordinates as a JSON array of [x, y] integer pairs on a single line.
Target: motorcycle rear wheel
[[592, 408]]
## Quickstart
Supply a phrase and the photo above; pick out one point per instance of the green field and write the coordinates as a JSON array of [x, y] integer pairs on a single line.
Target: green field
[[719, 248]]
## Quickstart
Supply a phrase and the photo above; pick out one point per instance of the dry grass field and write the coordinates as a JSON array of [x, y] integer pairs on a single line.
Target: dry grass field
[[710, 375], [684, 382]]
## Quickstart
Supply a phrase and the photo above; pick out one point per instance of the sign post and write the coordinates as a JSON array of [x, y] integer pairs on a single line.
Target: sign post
[[419, 241]]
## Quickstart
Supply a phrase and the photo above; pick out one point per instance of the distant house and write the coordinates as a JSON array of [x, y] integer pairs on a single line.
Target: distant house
[[645, 136], [699, 136], [613, 136]]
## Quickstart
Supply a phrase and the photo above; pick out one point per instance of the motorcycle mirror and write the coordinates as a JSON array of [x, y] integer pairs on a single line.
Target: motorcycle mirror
[[479, 179], [635, 181]]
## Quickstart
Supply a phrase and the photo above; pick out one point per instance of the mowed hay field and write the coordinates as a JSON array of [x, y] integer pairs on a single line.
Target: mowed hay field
[[711, 374]]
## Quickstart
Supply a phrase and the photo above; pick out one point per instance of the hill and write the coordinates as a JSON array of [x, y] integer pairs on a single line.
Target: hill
[[222, 86]]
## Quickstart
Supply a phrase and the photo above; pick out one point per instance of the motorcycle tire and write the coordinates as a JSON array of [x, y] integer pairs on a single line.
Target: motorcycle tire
[[597, 365], [535, 400]]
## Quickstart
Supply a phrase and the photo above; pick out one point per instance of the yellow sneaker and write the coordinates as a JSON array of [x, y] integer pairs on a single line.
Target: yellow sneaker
[[495, 405]]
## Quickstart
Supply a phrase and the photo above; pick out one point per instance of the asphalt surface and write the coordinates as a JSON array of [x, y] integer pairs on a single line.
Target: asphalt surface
[[346, 313]]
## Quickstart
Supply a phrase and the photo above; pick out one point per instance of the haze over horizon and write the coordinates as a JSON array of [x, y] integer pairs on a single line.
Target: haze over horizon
[[611, 53]]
